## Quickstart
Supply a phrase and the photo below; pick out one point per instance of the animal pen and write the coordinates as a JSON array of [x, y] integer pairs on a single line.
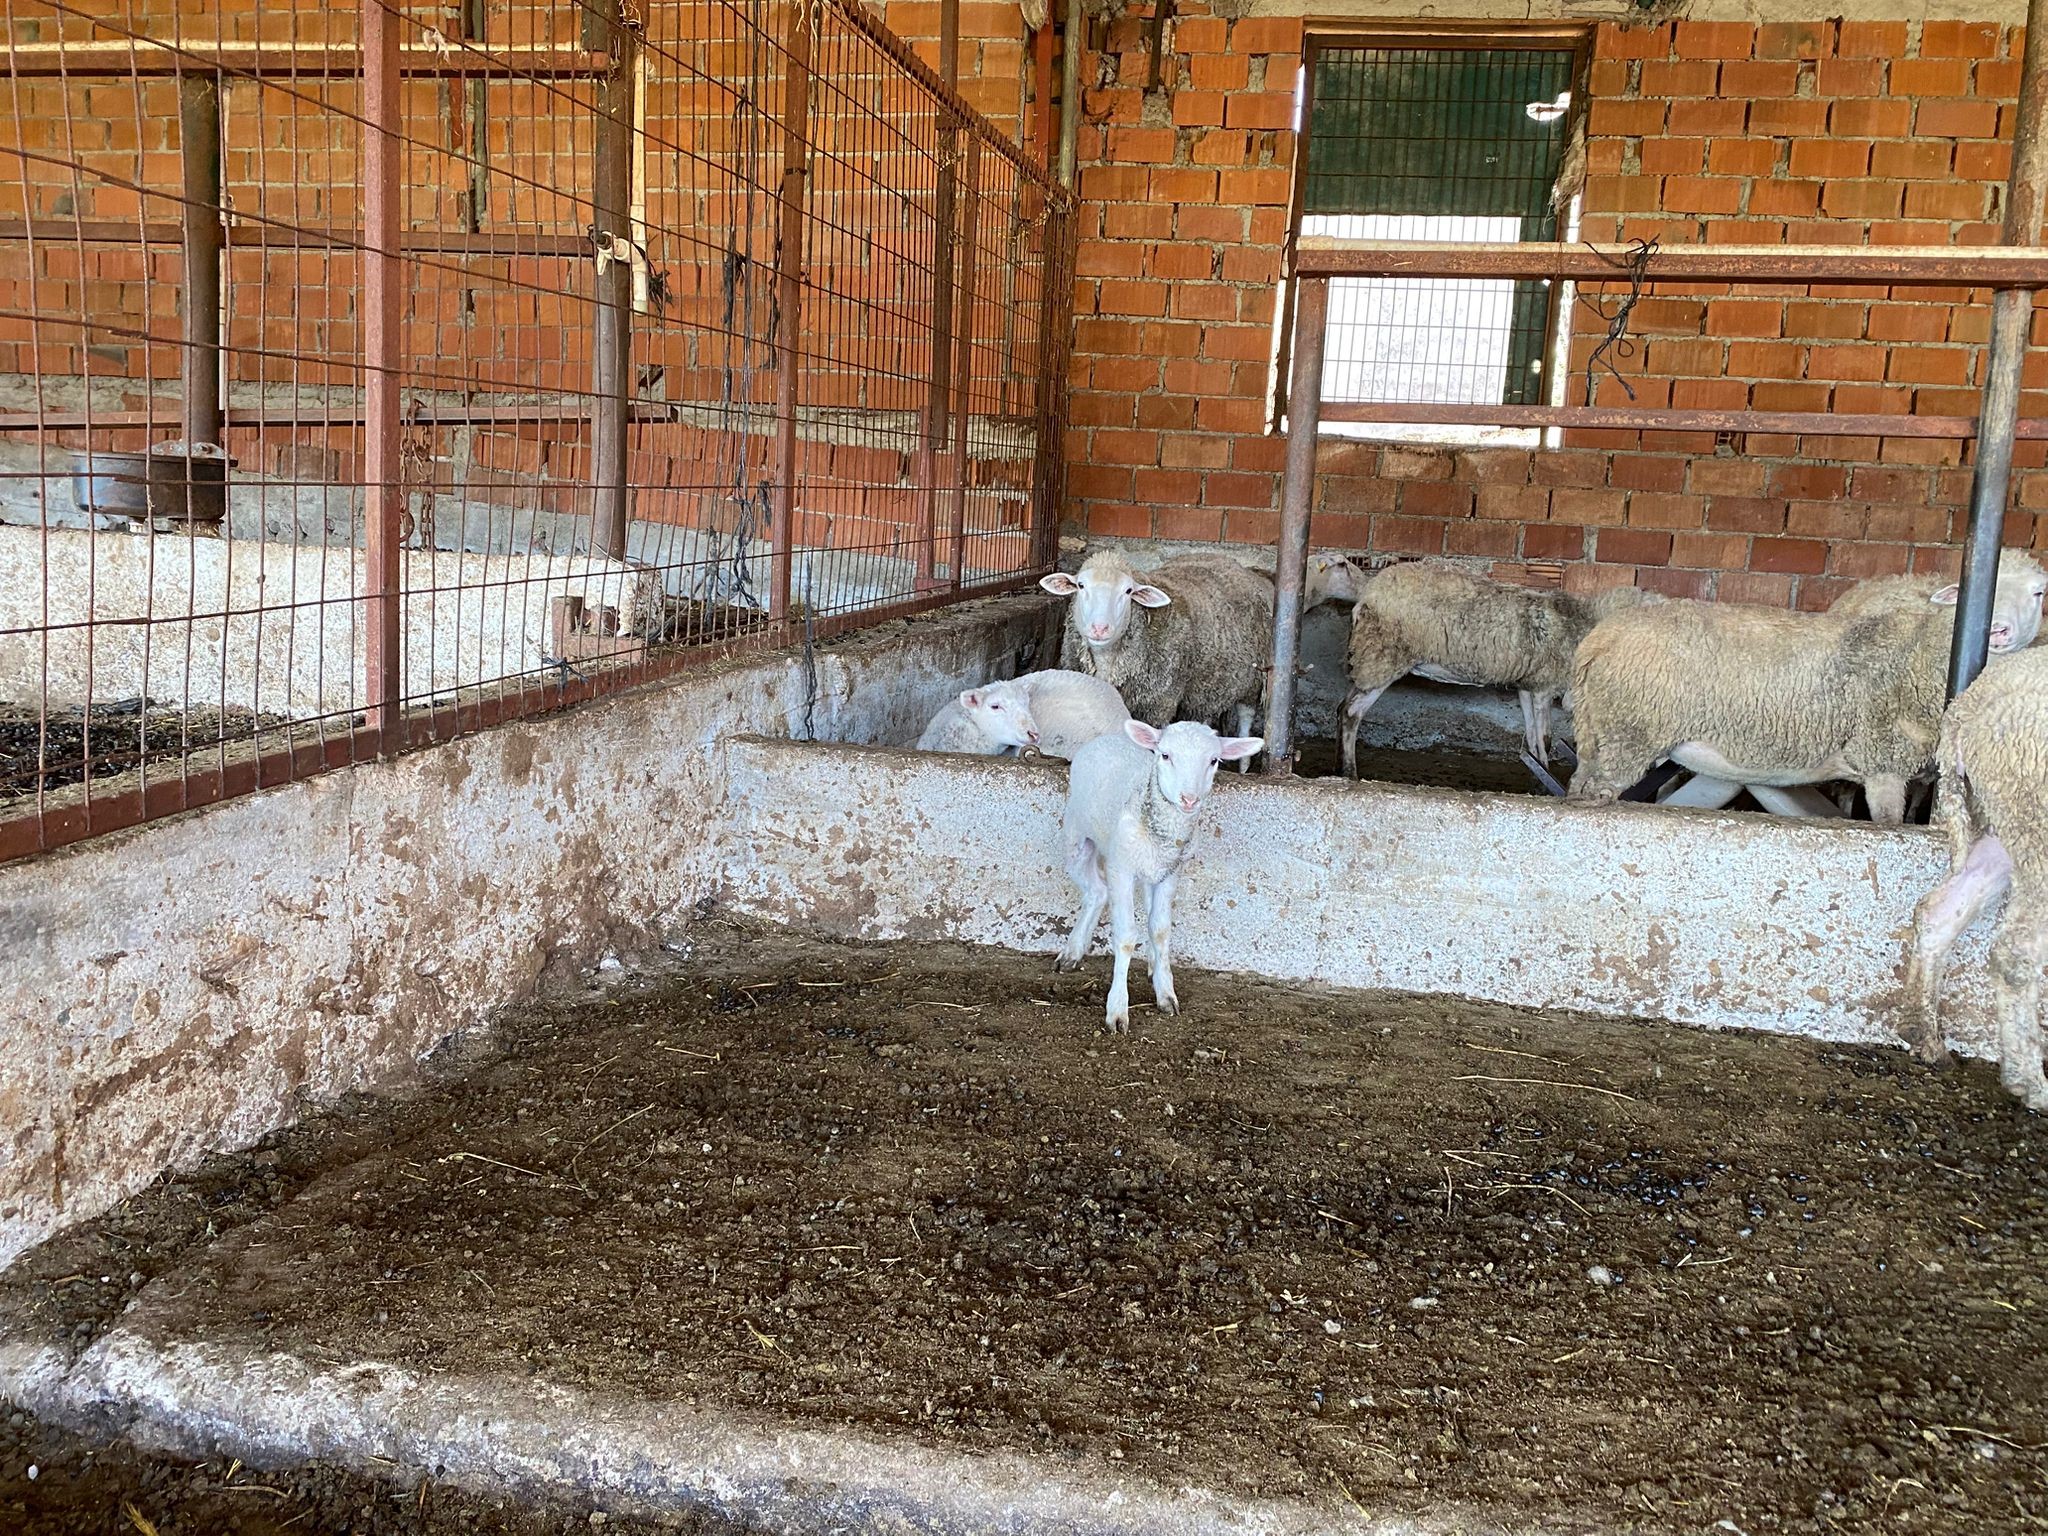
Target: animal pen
[[374, 375]]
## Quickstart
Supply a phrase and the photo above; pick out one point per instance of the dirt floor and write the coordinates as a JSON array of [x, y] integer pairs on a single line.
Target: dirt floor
[[124, 736], [1408, 1252], [1434, 769]]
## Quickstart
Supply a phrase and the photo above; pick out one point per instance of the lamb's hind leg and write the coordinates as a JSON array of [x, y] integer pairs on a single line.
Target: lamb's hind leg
[[1123, 933], [1940, 919], [2017, 955], [1084, 867]]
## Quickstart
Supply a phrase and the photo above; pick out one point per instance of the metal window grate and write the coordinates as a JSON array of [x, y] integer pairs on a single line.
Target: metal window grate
[[1459, 144]]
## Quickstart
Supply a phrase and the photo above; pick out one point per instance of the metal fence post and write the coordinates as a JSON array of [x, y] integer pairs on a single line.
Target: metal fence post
[[199, 149], [2012, 317], [612, 333], [789, 298], [383, 479], [1048, 417], [1297, 497], [963, 359]]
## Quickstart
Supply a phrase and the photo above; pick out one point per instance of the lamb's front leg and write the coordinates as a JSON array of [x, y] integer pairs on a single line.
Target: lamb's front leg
[[1123, 930], [1159, 909]]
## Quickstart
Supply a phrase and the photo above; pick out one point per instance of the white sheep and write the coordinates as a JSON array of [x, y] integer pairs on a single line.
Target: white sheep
[[1765, 696], [1452, 625], [1131, 803], [1056, 712], [1993, 758]]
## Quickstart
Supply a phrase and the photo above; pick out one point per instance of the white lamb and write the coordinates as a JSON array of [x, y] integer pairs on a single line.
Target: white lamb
[[1131, 803], [1056, 712]]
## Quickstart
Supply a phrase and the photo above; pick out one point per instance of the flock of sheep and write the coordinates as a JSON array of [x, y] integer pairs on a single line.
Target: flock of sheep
[[1763, 698]]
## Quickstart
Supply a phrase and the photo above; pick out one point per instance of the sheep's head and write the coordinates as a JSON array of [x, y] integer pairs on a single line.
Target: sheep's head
[[2015, 606], [1185, 755], [1003, 711], [1332, 578], [1104, 594]]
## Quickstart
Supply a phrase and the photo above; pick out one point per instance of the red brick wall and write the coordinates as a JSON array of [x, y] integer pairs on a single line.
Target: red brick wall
[[1808, 132]]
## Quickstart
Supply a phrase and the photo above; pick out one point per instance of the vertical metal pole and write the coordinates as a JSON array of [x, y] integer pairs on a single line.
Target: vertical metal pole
[[383, 478], [963, 358], [789, 298], [935, 417], [1047, 419], [612, 341], [1070, 89], [2012, 314], [199, 148], [949, 43], [1297, 497]]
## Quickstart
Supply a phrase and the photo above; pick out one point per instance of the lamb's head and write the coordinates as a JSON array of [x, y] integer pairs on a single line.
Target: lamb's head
[[1332, 578], [1003, 711], [1185, 755], [2015, 606], [1615, 599], [1104, 594]]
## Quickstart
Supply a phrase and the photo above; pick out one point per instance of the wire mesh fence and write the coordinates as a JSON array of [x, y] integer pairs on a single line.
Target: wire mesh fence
[[369, 374]]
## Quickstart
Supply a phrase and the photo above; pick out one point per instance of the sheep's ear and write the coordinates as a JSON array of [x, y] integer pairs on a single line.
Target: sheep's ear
[[1144, 735], [1235, 747], [1060, 584], [971, 699], [1149, 597], [1947, 596]]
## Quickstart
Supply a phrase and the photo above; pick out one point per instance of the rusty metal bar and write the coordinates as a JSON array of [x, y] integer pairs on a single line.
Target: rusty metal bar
[[789, 299], [1054, 336], [149, 57], [321, 416], [200, 234], [963, 359], [949, 44], [1072, 40], [2012, 315], [259, 233], [611, 389], [1297, 498], [1645, 418], [383, 341], [939, 383], [2025, 266]]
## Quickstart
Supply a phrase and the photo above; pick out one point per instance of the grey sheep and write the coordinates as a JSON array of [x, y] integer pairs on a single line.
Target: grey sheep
[[1449, 624], [1188, 641], [1767, 696], [1993, 757]]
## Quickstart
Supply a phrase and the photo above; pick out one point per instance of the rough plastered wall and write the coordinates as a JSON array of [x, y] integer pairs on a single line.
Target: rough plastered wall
[[184, 987], [1724, 920], [1753, 123]]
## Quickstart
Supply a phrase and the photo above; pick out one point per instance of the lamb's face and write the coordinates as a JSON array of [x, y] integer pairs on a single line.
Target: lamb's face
[[1185, 755], [2015, 605], [1104, 593], [1003, 711]]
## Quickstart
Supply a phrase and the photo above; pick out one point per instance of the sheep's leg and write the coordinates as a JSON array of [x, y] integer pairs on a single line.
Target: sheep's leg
[[1535, 724], [1159, 912], [1356, 703], [2016, 958], [1940, 919], [1084, 866], [1887, 796], [1123, 932], [1244, 716]]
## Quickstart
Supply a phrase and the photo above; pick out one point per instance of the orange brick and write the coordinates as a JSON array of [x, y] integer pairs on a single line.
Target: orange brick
[[1913, 160], [1198, 109], [1930, 77], [1273, 188], [1703, 194], [1741, 157], [1267, 34], [1152, 146], [1629, 546], [1871, 40], [1824, 319], [1745, 317], [1759, 78], [1683, 157], [1625, 118], [1238, 490], [1998, 80], [1607, 77], [1929, 365], [1180, 261], [1216, 71], [1826, 158], [1907, 322], [1437, 498], [1138, 221], [1409, 535], [1201, 34], [1957, 119], [1790, 119], [1797, 557], [1680, 77], [1709, 551], [1886, 119], [1623, 194], [1223, 149], [1849, 77], [1951, 200], [1861, 199], [1795, 40], [1203, 301], [1790, 199], [1122, 296], [1714, 40], [1264, 109], [1983, 161], [1959, 40], [1588, 506], [1613, 40], [1709, 117], [1182, 522]]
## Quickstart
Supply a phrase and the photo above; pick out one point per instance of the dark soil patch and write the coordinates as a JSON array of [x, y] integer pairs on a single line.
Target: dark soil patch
[[1434, 769], [1407, 1251], [42, 752]]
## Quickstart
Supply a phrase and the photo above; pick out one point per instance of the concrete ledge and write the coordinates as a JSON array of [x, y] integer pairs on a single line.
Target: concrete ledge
[[204, 1400], [1714, 919]]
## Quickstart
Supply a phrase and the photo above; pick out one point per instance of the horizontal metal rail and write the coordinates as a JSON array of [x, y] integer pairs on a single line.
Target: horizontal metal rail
[[247, 233], [1898, 267], [146, 58], [1632, 418]]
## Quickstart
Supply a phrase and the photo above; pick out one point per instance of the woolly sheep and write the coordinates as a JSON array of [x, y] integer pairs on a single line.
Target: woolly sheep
[[989, 720], [1993, 757], [1766, 696], [1056, 712], [1189, 640], [1132, 796], [1880, 593], [1448, 624], [1071, 709]]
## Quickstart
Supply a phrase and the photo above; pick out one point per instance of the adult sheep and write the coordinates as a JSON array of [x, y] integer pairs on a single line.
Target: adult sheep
[[1766, 696]]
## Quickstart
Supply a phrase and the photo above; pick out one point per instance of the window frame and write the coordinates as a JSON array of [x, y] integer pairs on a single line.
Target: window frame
[[1491, 35]]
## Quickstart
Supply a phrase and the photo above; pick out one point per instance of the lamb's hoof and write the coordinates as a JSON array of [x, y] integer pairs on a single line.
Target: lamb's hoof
[[1166, 1003], [1066, 962], [1931, 1053], [1118, 1023]]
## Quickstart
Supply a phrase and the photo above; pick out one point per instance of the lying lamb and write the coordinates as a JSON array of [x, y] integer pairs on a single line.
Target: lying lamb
[[1131, 802], [1993, 757], [1189, 640], [1056, 712], [1766, 696], [1448, 624]]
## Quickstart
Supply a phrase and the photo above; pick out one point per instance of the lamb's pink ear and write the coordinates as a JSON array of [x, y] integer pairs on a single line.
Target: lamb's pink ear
[[1947, 596], [1060, 584], [1235, 747], [971, 699], [1149, 597], [1144, 735]]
